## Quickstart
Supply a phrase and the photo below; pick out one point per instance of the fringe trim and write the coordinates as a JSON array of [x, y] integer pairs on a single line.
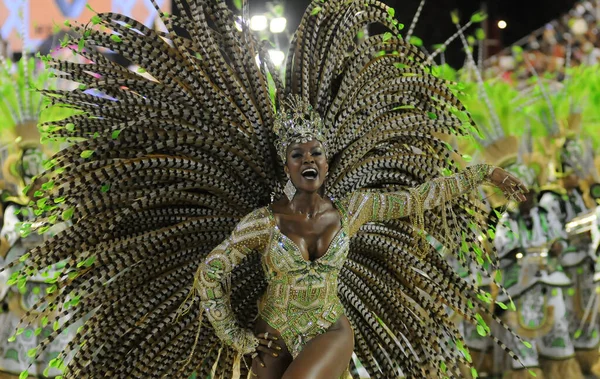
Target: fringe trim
[[213, 371], [237, 367], [524, 374], [568, 368], [588, 360], [596, 368]]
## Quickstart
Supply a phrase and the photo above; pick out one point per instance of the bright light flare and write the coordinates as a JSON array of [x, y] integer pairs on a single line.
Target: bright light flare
[[277, 57], [278, 25], [258, 23], [502, 24]]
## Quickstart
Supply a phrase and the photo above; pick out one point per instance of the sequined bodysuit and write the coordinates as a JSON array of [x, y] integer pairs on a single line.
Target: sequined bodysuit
[[301, 299]]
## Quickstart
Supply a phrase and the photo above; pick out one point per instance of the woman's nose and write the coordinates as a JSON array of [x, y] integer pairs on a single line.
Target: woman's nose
[[308, 158]]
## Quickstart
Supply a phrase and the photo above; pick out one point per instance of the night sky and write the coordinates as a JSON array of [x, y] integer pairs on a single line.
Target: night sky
[[435, 26]]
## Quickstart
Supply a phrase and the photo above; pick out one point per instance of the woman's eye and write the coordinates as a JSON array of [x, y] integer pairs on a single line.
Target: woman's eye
[[296, 155], [317, 153]]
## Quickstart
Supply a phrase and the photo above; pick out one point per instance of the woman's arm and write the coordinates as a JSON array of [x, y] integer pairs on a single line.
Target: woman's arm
[[211, 279], [366, 207]]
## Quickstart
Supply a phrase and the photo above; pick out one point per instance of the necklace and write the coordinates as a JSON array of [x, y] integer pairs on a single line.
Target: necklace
[[308, 214]]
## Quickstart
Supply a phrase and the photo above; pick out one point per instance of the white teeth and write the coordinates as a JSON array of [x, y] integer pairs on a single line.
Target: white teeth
[[310, 173]]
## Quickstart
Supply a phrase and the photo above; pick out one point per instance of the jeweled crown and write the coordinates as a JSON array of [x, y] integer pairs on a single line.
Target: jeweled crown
[[297, 122]]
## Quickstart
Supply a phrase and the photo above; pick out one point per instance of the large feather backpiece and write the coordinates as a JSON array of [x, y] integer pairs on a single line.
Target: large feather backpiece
[[164, 161]]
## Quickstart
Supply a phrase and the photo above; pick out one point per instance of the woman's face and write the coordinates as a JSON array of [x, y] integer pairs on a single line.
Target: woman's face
[[307, 165]]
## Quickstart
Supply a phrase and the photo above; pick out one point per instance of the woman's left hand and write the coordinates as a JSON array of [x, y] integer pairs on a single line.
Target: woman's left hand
[[267, 345], [512, 187]]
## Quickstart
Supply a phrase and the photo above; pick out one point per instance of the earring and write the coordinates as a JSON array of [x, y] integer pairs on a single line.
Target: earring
[[289, 190]]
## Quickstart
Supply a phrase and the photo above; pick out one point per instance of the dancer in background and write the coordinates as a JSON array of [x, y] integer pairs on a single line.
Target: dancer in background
[[530, 241], [580, 256], [21, 161], [571, 196]]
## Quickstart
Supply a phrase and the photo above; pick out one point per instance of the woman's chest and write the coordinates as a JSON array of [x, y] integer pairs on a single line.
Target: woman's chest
[[311, 239], [284, 260]]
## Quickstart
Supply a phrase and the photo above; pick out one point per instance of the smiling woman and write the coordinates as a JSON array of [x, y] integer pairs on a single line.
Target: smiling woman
[[304, 238], [306, 165]]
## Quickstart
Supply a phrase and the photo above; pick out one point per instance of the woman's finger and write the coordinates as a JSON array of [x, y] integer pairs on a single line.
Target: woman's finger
[[258, 359], [272, 352], [267, 336], [272, 345]]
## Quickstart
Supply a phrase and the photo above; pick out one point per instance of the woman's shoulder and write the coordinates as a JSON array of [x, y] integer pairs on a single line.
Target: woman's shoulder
[[260, 215], [261, 212]]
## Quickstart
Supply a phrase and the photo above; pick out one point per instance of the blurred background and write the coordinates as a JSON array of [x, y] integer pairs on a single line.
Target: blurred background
[[37, 25]]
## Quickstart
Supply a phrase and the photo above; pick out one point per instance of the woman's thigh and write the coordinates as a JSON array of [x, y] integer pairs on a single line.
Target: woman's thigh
[[326, 356]]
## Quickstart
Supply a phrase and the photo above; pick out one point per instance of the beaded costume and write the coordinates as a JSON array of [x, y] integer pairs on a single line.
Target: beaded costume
[[166, 161], [537, 287], [301, 299]]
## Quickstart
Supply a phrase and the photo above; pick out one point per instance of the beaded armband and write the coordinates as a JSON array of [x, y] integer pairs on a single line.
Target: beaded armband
[[487, 175], [217, 303], [245, 342]]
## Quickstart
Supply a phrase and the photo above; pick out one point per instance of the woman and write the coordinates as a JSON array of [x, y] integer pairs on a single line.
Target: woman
[[301, 331], [166, 161]]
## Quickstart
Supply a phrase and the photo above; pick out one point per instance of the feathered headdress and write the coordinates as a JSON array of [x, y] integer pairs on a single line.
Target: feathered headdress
[[165, 161]]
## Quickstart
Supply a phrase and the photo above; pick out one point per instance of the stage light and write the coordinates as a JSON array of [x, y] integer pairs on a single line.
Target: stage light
[[502, 24], [278, 25], [258, 22], [579, 26], [277, 57]]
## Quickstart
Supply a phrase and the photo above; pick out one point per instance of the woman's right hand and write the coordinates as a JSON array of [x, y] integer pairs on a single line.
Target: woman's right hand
[[268, 344], [510, 185]]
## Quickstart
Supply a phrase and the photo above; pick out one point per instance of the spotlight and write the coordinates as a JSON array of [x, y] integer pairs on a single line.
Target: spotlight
[[278, 25], [579, 26], [258, 22], [502, 24], [277, 56]]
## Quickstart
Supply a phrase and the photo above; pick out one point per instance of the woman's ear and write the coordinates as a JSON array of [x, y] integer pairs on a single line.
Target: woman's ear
[[286, 169]]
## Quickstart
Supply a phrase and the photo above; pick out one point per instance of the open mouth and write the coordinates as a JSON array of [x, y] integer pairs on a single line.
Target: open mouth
[[310, 174]]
